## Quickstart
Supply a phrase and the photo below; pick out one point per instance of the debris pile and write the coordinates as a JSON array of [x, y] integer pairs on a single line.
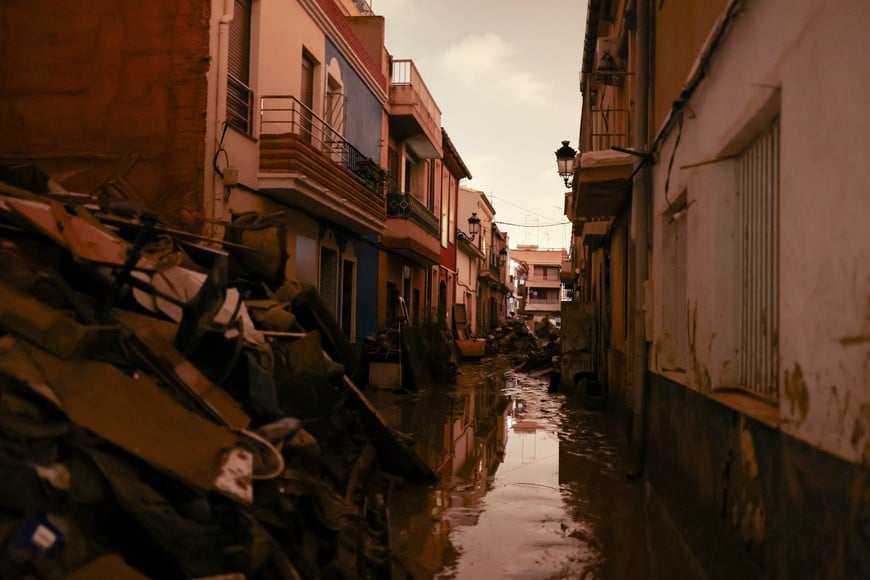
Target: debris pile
[[166, 411], [536, 353], [513, 338]]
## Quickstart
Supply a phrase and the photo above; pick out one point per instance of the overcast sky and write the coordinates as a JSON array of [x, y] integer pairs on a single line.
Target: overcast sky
[[505, 74]]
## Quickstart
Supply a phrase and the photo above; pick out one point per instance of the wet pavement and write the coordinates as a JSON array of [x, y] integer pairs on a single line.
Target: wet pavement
[[531, 486]]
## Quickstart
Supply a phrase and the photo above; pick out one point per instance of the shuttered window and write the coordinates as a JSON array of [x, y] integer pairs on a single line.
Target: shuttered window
[[239, 94]]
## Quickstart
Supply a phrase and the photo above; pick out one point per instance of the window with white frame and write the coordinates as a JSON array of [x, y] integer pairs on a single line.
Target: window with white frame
[[758, 239]]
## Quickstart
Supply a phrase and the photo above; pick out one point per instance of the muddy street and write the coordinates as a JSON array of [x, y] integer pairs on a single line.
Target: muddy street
[[531, 487]]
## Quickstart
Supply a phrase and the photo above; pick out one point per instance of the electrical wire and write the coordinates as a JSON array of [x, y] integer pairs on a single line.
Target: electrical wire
[[533, 225], [671, 162], [220, 149]]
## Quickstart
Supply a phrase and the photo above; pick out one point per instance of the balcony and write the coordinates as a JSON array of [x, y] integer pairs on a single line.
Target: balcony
[[609, 127], [602, 184], [567, 275], [307, 164], [490, 271], [414, 116], [411, 229], [406, 206]]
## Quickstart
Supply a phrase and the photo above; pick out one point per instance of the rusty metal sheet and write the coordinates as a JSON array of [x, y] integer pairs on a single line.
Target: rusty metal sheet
[[83, 239]]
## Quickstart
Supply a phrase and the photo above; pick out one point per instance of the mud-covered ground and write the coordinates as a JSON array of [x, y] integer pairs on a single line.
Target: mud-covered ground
[[531, 487]]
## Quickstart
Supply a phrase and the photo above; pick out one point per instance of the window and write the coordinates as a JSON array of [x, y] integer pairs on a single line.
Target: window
[[393, 170], [445, 208], [758, 229], [240, 98], [675, 347], [334, 105], [306, 96]]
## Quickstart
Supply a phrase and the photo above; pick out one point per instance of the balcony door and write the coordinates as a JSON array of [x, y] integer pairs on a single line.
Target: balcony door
[[306, 97]]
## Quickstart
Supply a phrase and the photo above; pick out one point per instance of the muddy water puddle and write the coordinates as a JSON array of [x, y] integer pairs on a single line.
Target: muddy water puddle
[[530, 487]]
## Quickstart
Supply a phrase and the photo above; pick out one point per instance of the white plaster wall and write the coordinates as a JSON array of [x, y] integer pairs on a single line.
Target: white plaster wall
[[815, 52]]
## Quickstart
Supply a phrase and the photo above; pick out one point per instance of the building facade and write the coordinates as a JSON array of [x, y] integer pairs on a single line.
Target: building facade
[[281, 114], [542, 293], [703, 240]]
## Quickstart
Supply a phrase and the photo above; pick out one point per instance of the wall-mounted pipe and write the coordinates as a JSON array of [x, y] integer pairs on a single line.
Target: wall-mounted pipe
[[640, 233], [216, 193]]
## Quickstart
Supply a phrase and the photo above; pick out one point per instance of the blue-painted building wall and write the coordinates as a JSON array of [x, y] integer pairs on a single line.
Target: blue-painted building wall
[[363, 111], [363, 122], [367, 288]]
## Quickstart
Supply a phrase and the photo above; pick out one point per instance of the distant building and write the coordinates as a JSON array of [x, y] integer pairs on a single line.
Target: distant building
[[542, 295]]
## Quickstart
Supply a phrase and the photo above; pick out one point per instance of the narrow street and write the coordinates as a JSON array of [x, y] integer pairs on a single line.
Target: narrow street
[[345, 289], [531, 486]]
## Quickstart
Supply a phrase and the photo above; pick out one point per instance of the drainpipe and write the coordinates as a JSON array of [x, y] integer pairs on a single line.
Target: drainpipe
[[216, 188], [640, 224]]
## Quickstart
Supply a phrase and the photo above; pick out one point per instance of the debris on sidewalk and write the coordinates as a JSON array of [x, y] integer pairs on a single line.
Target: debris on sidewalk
[[163, 416]]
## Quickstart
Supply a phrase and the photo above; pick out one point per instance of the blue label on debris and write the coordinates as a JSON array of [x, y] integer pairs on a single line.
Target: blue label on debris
[[37, 535]]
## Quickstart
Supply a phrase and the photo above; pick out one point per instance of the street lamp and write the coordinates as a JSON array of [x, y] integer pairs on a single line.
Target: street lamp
[[502, 257], [473, 225], [565, 156]]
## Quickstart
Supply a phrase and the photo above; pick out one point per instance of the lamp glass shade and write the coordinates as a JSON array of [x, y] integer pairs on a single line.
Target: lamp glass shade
[[565, 156], [474, 224]]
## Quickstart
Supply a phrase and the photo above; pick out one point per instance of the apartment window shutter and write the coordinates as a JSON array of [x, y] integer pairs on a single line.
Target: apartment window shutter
[[239, 95], [240, 42]]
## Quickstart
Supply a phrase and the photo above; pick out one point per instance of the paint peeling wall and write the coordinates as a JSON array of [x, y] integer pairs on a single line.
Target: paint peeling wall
[[802, 60]]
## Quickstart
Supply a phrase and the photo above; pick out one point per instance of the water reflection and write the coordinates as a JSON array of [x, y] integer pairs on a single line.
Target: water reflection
[[526, 486]]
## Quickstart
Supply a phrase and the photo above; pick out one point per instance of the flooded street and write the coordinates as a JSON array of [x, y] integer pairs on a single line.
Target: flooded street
[[530, 486]]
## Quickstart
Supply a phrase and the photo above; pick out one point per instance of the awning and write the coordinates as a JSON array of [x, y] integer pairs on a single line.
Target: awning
[[601, 183]]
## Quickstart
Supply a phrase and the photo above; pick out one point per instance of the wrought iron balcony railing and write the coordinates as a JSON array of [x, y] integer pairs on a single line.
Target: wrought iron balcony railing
[[281, 114], [406, 206]]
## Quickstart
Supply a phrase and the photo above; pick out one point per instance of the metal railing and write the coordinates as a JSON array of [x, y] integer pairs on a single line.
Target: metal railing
[[556, 300], [406, 73], [240, 105], [406, 206], [281, 114], [610, 128], [759, 264], [549, 277]]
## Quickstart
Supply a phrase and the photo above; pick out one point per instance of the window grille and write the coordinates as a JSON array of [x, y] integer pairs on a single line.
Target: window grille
[[758, 222]]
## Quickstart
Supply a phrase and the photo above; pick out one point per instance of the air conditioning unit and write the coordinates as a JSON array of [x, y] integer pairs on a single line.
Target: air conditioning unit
[[606, 55]]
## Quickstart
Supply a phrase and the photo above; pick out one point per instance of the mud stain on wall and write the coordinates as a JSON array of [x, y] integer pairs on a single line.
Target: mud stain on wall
[[703, 381], [796, 393], [747, 514], [860, 439]]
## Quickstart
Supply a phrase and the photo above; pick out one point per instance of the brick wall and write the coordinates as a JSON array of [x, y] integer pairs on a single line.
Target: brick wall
[[83, 84]]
